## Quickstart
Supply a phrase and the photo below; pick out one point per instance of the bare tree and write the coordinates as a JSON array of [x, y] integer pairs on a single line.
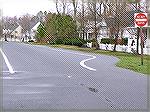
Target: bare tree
[[148, 6], [117, 12], [75, 6], [9, 24], [57, 7], [136, 6], [1, 30], [92, 5], [1, 25], [82, 18], [61, 6], [148, 10], [25, 24]]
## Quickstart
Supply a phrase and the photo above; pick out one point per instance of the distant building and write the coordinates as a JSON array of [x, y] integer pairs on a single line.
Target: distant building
[[34, 23], [12, 30], [17, 33]]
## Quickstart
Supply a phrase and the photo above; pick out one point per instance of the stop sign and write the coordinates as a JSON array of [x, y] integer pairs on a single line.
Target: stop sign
[[141, 19]]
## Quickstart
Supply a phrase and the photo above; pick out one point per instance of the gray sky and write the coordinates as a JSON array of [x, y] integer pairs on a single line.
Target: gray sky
[[21, 7]]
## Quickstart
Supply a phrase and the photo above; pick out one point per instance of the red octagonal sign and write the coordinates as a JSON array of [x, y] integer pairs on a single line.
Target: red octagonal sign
[[141, 19]]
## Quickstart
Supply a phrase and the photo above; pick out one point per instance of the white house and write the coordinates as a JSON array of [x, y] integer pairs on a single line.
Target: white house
[[13, 31], [30, 34], [34, 30], [101, 30], [17, 33], [148, 41], [131, 34]]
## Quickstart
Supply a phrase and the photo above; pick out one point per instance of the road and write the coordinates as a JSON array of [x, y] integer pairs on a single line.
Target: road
[[51, 78]]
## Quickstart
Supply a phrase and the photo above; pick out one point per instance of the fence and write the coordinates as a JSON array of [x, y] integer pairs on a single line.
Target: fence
[[123, 48]]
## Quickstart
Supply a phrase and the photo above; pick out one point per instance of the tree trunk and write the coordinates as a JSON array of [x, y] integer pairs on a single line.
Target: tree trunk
[[95, 27], [57, 6], [82, 23], [97, 45], [83, 35], [116, 41], [75, 9], [64, 8]]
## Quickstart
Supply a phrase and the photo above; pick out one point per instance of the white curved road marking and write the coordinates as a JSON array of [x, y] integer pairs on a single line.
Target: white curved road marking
[[7, 63], [82, 63]]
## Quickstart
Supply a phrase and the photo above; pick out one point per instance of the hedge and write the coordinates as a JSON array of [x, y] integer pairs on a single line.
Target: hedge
[[123, 41], [69, 41]]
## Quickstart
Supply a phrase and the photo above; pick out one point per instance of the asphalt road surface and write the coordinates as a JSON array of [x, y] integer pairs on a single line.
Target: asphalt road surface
[[43, 78]]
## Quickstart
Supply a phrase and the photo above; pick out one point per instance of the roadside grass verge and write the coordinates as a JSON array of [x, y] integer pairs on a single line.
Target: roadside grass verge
[[127, 60]]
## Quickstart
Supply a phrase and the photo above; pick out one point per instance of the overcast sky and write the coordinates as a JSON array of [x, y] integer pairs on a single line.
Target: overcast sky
[[21, 7]]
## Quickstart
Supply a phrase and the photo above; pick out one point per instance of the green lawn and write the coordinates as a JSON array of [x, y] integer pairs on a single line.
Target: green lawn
[[134, 63], [127, 60]]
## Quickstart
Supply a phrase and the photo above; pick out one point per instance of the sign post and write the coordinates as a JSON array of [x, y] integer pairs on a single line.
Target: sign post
[[141, 20], [142, 44]]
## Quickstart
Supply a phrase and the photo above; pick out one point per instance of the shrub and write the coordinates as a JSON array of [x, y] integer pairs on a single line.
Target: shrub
[[31, 41], [89, 41], [78, 42], [67, 41], [58, 41], [123, 41], [52, 42], [93, 40], [74, 41], [107, 41]]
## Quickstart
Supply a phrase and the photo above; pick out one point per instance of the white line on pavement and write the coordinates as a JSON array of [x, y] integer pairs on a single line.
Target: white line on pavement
[[82, 63], [7, 62]]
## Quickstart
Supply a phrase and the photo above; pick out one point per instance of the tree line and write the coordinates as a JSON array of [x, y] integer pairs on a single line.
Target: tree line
[[73, 15]]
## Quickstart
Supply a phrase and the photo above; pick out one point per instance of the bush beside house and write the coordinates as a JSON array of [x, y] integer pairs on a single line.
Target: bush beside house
[[123, 41], [69, 41]]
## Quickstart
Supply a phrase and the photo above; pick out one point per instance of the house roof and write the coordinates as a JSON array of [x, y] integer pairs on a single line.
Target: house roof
[[36, 26], [11, 26], [33, 22], [29, 23]]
